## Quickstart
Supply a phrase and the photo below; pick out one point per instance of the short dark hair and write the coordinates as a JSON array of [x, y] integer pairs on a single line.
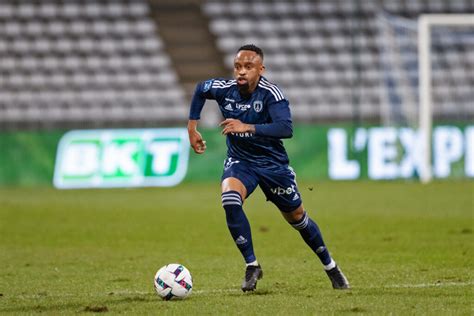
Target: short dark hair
[[252, 48]]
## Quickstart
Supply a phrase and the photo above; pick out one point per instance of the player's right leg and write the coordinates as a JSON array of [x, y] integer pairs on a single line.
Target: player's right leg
[[237, 184]]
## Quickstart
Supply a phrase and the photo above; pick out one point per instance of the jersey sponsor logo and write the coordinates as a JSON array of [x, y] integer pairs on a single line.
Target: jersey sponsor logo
[[242, 107], [207, 85], [228, 107], [258, 106], [246, 134], [282, 191]]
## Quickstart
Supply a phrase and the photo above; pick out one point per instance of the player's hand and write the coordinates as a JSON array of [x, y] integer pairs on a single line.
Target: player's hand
[[196, 141], [236, 126]]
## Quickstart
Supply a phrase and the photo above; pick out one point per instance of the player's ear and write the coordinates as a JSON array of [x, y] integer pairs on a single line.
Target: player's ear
[[262, 69]]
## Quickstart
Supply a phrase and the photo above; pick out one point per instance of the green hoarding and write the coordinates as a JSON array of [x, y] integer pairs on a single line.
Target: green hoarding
[[121, 158], [316, 153]]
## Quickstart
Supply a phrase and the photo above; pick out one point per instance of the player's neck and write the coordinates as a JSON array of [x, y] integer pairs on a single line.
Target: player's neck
[[254, 86], [246, 93]]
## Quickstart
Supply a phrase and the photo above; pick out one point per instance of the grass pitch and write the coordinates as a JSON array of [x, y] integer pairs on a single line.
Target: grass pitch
[[406, 248]]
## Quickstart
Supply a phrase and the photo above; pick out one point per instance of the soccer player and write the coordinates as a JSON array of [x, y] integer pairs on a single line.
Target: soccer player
[[256, 118]]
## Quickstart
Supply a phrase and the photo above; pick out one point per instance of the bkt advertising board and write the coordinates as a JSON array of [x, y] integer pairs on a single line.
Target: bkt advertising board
[[121, 158]]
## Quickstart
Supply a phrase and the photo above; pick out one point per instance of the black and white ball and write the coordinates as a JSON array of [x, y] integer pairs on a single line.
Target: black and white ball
[[173, 281]]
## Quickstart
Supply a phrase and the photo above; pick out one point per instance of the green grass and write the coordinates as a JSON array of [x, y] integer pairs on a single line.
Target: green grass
[[406, 248]]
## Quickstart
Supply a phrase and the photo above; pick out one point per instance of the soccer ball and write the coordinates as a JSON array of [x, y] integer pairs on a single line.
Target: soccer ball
[[173, 281]]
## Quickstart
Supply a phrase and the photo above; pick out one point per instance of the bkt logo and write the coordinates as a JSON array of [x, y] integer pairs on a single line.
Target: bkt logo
[[281, 191], [121, 158]]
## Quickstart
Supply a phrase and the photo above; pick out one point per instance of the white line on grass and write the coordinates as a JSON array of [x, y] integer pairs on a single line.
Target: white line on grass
[[424, 285], [216, 291], [209, 291], [420, 285], [231, 290]]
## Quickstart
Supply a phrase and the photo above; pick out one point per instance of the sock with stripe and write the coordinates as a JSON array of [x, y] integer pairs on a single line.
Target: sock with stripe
[[238, 224], [311, 234]]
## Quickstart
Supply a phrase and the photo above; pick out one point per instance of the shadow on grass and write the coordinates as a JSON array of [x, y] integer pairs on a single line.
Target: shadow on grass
[[252, 293], [92, 306], [356, 309]]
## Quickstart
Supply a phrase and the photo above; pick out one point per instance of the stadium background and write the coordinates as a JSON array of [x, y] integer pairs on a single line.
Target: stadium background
[[107, 64], [352, 65]]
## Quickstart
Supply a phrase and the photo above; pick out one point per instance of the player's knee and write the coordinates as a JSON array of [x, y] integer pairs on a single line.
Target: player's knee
[[234, 184], [294, 216], [300, 222]]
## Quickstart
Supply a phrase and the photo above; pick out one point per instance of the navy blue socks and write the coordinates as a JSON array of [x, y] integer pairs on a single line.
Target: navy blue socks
[[238, 224], [312, 236], [239, 228]]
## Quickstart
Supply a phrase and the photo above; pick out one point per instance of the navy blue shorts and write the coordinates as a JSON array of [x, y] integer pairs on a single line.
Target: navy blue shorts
[[278, 183]]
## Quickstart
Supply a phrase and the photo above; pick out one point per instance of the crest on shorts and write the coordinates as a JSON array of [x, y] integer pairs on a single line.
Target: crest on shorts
[[229, 162], [258, 106]]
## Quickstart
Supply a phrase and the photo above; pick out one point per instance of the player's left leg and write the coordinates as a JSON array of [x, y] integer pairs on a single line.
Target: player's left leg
[[311, 234], [280, 188]]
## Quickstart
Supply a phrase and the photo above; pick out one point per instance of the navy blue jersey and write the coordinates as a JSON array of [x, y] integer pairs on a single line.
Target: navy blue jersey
[[266, 108]]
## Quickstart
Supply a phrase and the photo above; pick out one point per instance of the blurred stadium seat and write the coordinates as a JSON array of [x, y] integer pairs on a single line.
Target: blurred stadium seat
[[84, 64], [95, 64], [452, 76], [327, 55]]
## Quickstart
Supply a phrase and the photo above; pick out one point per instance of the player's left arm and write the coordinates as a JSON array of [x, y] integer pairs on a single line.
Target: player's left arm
[[281, 125]]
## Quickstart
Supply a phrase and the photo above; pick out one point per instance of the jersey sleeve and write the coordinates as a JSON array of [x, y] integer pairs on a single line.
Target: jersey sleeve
[[212, 89], [202, 92], [281, 125]]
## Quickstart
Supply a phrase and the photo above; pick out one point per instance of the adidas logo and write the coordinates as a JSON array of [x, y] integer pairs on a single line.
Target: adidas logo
[[296, 197], [228, 107], [320, 249], [240, 240]]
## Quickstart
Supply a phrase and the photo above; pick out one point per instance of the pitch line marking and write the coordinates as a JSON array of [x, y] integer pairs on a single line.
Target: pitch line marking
[[425, 285], [216, 291], [420, 285], [235, 290]]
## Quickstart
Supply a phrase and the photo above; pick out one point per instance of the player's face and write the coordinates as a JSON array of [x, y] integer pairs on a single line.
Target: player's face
[[248, 68]]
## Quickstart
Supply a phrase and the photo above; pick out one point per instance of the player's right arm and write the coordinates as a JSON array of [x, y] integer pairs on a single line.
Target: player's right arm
[[202, 92], [195, 139]]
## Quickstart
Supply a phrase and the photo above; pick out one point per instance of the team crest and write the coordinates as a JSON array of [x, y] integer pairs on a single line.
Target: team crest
[[258, 106]]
